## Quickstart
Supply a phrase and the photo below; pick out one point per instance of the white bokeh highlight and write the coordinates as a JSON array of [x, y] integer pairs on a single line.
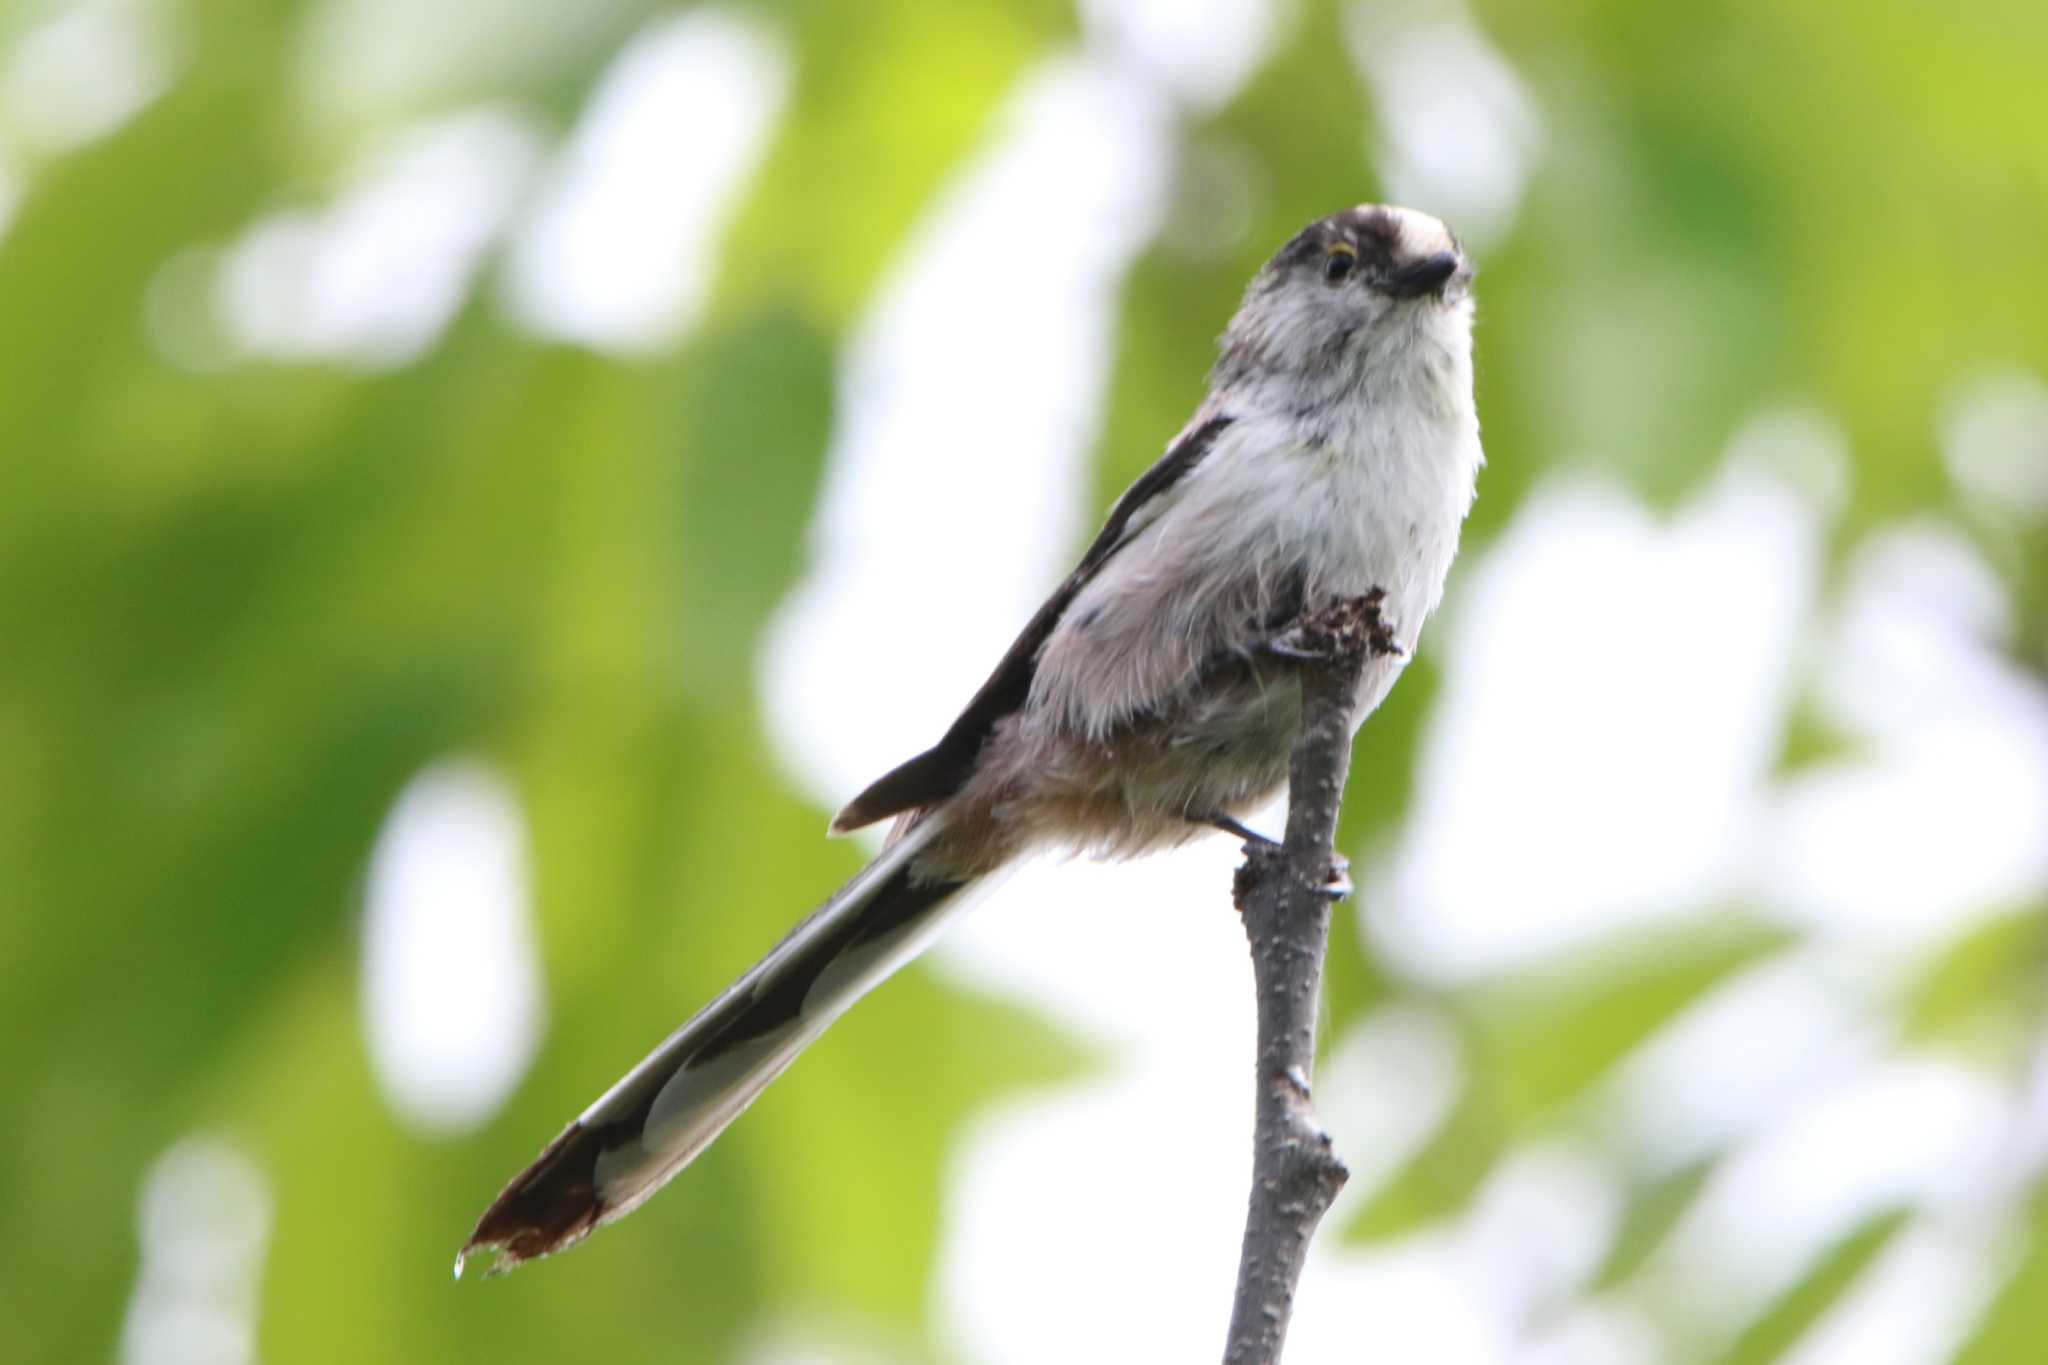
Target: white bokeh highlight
[[374, 278], [967, 397], [1469, 1289], [10, 193], [1458, 133], [1596, 1333], [814, 1338], [1614, 692], [1915, 1306], [1155, 1146], [619, 252], [203, 1223], [1910, 1132], [451, 980], [1403, 1049], [1941, 815], [1203, 51], [1738, 1058], [364, 62], [86, 71], [1994, 438]]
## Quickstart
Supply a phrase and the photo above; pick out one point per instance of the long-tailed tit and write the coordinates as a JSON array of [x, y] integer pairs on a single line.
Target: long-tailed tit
[[1335, 454]]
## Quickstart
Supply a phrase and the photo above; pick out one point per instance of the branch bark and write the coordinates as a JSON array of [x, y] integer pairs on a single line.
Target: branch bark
[[1285, 892]]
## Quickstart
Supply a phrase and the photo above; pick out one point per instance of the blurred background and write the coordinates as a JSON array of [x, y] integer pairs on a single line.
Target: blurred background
[[484, 479]]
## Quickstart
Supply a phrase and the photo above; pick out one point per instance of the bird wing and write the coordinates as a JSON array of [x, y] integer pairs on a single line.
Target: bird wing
[[940, 771]]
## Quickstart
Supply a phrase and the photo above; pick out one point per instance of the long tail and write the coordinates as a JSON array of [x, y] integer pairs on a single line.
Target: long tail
[[669, 1108]]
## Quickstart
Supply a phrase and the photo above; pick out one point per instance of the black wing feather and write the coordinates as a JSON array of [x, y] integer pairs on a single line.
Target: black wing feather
[[941, 770]]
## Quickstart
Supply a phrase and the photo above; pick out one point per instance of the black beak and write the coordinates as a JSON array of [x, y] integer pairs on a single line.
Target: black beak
[[1426, 276]]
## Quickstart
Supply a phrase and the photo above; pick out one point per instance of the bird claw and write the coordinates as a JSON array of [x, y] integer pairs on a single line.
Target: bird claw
[[1256, 858], [1345, 626], [1337, 880], [1260, 851], [1295, 643]]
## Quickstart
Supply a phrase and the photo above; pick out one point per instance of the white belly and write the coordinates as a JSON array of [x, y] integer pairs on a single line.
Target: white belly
[[1376, 507]]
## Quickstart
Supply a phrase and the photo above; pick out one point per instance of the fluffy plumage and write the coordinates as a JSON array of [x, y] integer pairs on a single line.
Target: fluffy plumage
[[1336, 453]]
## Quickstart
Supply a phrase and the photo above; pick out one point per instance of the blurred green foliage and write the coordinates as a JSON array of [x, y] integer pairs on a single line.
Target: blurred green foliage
[[242, 607]]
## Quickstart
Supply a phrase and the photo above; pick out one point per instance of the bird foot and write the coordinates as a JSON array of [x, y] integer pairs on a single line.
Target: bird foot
[[1348, 624], [1260, 853]]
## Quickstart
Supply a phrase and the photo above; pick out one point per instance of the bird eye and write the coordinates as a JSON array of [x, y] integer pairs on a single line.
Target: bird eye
[[1339, 263]]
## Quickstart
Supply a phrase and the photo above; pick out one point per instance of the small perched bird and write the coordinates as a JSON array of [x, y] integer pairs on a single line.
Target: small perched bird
[[1335, 455]]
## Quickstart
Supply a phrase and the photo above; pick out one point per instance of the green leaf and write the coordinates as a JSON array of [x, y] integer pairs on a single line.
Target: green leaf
[[1438, 1182], [1651, 1213], [2016, 1322], [1800, 1307], [1541, 1036], [1536, 1040], [1987, 987]]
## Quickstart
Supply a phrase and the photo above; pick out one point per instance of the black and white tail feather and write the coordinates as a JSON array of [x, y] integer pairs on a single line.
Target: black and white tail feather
[[681, 1096]]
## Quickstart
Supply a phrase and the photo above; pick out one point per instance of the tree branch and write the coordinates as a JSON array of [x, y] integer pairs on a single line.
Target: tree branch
[[1285, 892]]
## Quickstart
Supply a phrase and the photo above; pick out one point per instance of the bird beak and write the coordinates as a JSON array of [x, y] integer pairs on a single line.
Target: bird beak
[[1426, 276]]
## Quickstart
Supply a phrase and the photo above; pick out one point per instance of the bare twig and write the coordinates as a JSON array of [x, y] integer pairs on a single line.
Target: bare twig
[[1285, 892]]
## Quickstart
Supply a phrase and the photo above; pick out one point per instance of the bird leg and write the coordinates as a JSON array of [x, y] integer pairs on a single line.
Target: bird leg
[[1237, 829]]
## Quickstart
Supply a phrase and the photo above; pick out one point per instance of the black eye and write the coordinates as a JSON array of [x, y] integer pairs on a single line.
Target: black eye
[[1338, 265]]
